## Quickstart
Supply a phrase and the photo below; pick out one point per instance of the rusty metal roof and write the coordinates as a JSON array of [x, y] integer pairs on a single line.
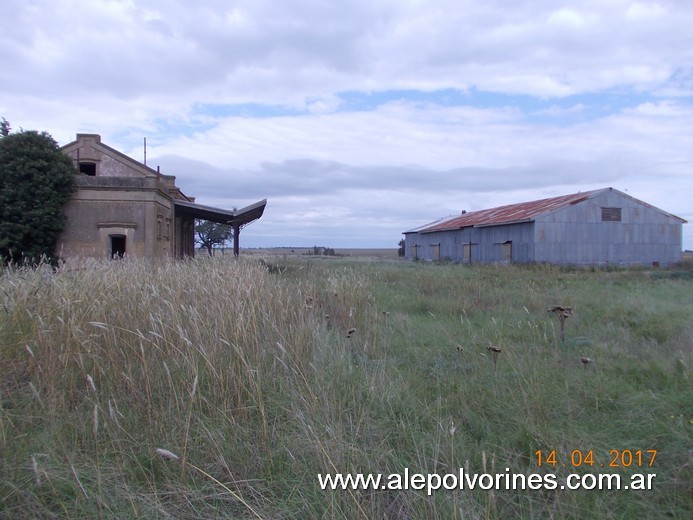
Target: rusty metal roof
[[512, 213]]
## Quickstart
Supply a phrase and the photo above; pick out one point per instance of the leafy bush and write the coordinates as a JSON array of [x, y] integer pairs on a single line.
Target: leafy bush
[[36, 180]]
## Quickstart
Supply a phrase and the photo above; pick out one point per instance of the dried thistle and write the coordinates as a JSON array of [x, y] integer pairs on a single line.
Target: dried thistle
[[350, 332], [459, 348], [494, 351], [563, 313], [586, 361]]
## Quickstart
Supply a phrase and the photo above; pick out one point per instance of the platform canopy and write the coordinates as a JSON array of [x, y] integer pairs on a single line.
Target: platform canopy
[[236, 218]]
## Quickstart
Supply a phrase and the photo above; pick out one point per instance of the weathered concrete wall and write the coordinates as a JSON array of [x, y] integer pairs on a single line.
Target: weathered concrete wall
[[124, 199], [99, 209]]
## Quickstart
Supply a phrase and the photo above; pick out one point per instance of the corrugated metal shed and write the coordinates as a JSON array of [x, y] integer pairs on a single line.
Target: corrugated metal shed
[[592, 227]]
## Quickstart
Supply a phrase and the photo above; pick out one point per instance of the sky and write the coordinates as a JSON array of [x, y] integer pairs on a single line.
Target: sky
[[361, 119]]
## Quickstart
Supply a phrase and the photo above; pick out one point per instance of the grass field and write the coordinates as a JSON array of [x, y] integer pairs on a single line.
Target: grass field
[[221, 388]]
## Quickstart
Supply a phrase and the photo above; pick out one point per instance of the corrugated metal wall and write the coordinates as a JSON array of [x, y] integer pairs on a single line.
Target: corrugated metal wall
[[483, 244], [577, 235]]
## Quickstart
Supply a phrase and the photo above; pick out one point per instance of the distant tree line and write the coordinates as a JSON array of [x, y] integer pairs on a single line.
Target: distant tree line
[[321, 251]]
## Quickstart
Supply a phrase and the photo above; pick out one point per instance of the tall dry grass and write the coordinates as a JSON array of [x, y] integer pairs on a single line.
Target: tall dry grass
[[221, 388], [105, 364]]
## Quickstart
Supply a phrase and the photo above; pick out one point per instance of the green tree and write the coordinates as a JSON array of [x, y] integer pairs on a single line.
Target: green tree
[[36, 180], [209, 234], [402, 244], [4, 127]]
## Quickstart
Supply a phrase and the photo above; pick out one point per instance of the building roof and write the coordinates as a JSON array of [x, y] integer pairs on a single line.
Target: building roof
[[514, 213], [240, 217]]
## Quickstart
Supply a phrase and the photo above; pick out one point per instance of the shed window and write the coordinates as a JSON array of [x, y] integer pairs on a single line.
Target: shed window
[[87, 168], [611, 214]]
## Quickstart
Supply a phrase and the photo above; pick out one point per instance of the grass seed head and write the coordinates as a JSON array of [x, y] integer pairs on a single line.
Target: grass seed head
[[96, 419], [167, 454], [34, 467], [91, 384]]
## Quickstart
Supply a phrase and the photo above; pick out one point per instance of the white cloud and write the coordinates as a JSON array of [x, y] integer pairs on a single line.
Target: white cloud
[[645, 11]]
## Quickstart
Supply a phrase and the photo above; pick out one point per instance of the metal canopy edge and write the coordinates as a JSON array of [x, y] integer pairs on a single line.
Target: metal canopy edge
[[239, 217]]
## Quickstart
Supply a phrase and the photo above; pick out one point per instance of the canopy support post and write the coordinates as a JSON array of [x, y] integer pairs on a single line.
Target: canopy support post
[[236, 239]]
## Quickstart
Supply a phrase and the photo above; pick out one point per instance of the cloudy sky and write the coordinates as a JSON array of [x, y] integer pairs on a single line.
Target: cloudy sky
[[360, 119]]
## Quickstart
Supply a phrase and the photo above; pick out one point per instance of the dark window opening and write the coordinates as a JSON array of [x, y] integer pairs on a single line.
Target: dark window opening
[[87, 168], [117, 246], [611, 214]]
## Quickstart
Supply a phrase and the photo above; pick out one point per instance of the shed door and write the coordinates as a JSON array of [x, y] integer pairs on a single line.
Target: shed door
[[507, 251], [467, 253], [435, 251]]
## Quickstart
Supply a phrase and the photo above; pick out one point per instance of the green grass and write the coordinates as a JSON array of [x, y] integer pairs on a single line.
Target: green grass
[[243, 370]]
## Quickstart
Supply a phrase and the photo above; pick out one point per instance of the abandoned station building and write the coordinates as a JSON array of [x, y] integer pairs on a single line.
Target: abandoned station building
[[123, 207], [596, 227]]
